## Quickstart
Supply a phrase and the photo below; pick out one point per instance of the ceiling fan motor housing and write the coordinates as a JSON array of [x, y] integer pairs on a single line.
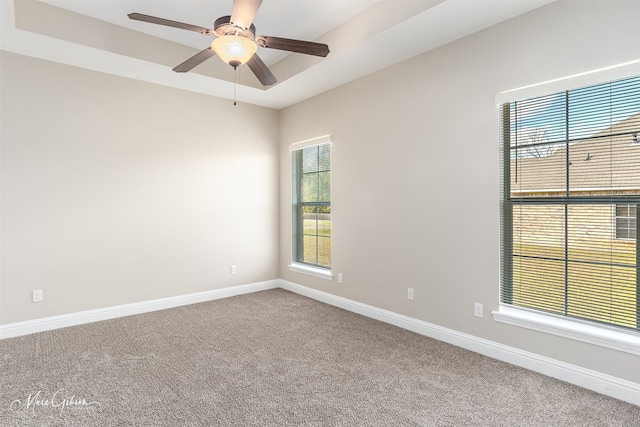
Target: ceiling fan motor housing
[[224, 27]]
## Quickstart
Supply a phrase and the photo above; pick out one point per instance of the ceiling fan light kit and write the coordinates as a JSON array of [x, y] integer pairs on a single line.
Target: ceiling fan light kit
[[236, 42], [234, 50]]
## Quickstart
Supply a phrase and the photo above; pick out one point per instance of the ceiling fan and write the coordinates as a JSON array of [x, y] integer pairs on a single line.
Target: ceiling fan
[[236, 42]]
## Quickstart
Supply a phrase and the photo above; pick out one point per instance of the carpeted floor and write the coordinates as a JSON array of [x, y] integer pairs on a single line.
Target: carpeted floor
[[275, 358]]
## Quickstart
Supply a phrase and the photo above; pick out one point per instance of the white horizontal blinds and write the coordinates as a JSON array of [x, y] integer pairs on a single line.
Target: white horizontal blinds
[[570, 203], [601, 270], [538, 257], [602, 121], [313, 205]]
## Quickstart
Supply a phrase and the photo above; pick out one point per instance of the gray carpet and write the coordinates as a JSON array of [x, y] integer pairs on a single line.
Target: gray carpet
[[275, 358]]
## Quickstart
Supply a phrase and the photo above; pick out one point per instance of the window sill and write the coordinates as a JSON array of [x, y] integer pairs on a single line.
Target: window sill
[[628, 342], [311, 271]]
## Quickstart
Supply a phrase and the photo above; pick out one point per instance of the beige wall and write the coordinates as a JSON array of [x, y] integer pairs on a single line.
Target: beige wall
[[415, 170], [116, 191]]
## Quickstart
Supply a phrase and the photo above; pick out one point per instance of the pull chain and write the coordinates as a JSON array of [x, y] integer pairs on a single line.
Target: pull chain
[[235, 85]]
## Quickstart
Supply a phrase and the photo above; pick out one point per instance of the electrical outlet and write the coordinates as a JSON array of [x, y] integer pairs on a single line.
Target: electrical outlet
[[233, 269], [339, 277], [410, 294], [477, 309], [36, 295]]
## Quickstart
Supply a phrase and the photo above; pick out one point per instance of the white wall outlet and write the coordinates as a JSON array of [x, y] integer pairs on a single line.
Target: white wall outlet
[[339, 277], [36, 295], [477, 309], [233, 269], [410, 294]]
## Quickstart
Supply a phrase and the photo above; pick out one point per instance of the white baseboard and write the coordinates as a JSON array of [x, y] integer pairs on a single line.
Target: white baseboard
[[605, 384], [62, 321]]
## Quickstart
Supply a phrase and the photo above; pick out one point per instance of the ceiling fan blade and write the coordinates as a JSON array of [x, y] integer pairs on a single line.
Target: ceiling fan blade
[[195, 60], [298, 46], [168, 23], [244, 11], [261, 70]]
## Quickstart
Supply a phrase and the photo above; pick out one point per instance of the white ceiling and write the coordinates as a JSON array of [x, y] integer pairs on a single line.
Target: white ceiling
[[363, 35]]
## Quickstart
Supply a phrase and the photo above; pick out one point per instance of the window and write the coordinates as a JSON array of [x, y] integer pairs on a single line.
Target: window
[[626, 221], [569, 204], [312, 205]]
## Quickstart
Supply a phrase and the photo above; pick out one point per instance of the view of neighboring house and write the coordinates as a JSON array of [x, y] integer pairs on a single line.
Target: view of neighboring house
[[600, 245], [612, 152]]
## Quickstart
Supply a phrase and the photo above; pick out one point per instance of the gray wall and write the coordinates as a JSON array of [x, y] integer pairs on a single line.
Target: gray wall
[[415, 171], [116, 191]]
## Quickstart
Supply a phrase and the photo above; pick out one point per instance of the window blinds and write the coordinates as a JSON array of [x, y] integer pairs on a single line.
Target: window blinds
[[570, 192]]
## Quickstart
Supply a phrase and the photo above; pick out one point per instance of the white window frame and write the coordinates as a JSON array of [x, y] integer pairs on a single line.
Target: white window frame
[[319, 272], [592, 333]]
